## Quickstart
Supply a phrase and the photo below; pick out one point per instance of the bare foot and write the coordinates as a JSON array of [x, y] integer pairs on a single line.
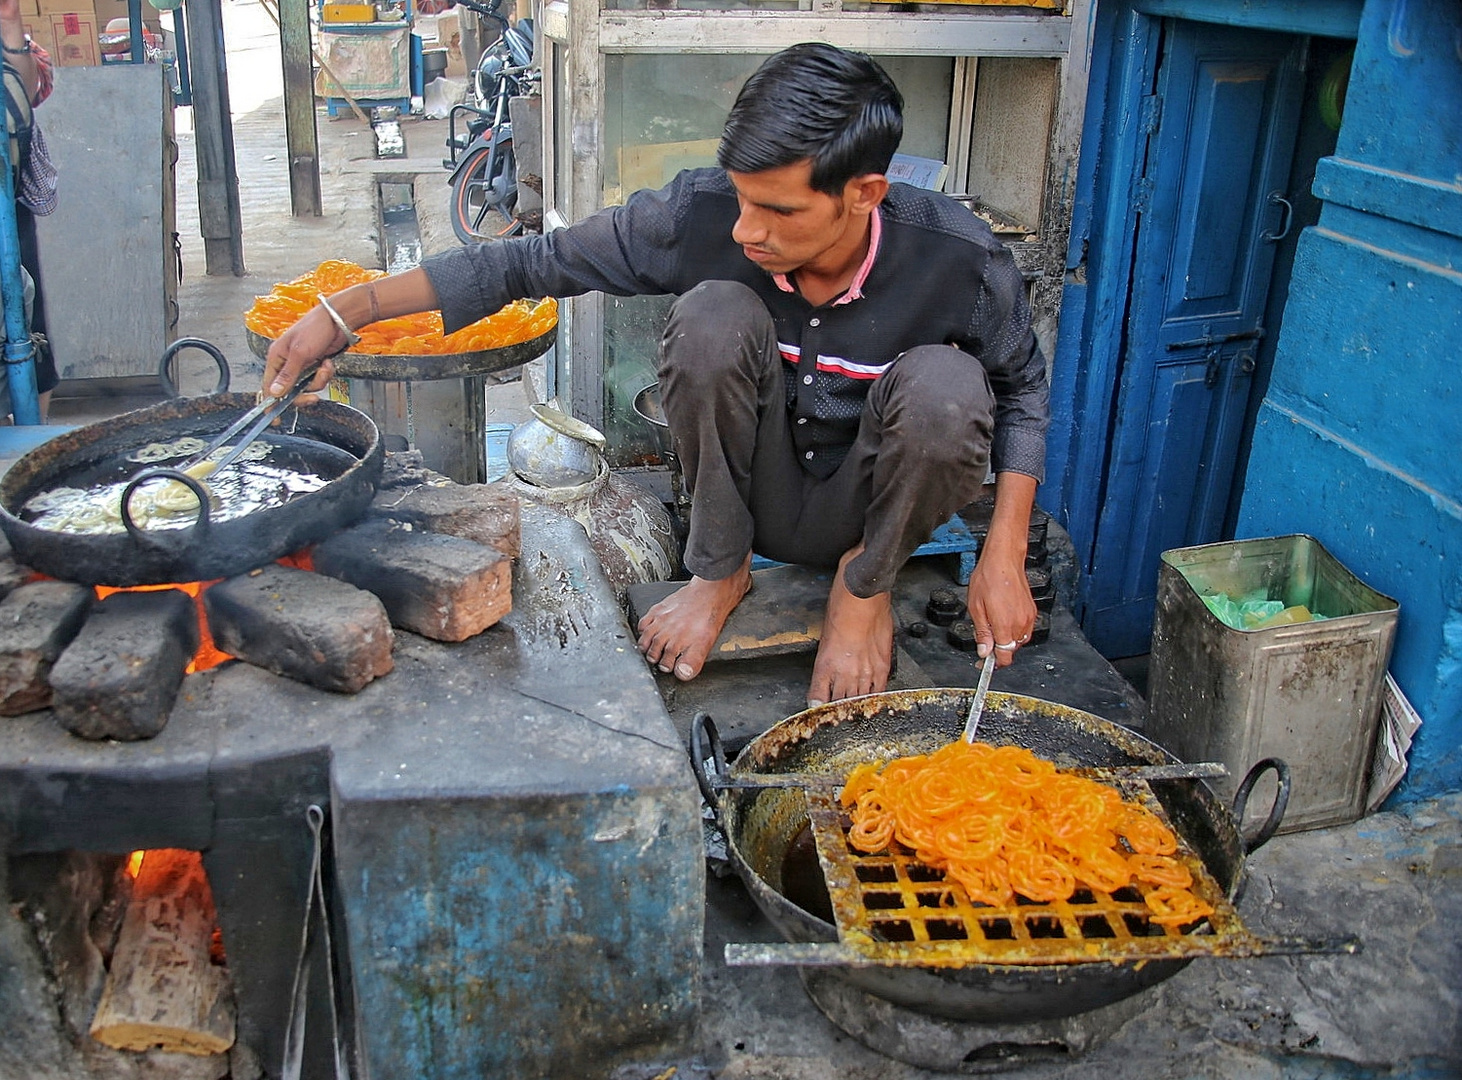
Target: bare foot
[[678, 632], [856, 650]]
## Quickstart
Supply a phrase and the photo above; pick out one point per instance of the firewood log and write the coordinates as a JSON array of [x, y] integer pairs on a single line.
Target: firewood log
[[163, 990]]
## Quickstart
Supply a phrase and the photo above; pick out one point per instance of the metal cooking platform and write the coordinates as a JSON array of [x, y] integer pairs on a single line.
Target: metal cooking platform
[[894, 909]]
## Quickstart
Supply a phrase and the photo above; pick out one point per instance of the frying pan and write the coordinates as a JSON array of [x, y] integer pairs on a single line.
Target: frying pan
[[763, 824], [335, 441]]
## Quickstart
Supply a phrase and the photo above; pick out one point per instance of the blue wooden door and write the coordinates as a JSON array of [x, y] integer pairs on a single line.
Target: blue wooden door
[[1221, 130]]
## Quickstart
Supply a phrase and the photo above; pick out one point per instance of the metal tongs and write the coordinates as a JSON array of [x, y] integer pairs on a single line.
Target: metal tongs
[[252, 424]]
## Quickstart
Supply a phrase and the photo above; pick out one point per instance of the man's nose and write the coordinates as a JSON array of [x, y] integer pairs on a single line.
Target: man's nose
[[748, 230]]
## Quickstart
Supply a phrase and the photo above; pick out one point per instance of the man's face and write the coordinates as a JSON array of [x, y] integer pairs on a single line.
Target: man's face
[[785, 224]]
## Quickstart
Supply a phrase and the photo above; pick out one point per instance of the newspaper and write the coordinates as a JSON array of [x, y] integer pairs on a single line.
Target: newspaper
[[1399, 721]]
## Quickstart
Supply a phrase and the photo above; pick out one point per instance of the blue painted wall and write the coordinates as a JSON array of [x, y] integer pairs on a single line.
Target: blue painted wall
[[1357, 440]]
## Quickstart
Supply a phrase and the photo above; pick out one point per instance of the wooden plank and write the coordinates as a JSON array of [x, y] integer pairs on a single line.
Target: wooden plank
[[163, 989], [782, 614]]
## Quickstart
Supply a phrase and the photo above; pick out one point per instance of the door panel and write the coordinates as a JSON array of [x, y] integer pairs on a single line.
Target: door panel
[[1229, 107]]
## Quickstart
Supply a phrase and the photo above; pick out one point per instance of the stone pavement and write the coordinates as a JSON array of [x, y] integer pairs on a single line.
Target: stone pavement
[[1394, 879]]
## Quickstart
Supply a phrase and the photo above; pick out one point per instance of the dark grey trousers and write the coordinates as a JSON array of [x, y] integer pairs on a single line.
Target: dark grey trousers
[[921, 451]]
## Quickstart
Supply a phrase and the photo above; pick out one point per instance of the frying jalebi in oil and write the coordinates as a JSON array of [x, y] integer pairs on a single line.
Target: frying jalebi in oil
[[407, 335], [1000, 821]]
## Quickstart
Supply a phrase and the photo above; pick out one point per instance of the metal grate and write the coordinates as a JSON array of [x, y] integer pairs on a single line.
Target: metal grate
[[895, 909]]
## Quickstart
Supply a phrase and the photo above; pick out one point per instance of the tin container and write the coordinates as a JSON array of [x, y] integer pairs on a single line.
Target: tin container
[[1309, 693]]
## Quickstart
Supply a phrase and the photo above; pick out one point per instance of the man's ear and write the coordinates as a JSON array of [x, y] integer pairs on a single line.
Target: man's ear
[[866, 191]]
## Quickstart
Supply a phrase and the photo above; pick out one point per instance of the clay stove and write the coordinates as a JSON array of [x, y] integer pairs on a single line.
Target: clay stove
[[513, 862]]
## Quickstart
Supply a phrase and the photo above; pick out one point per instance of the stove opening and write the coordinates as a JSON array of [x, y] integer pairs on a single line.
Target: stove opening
[[131, 955]]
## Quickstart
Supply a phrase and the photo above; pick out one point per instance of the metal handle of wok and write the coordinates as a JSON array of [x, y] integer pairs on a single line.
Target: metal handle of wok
[[164, 367], [703, 732], [154, 538], [1276, 811]]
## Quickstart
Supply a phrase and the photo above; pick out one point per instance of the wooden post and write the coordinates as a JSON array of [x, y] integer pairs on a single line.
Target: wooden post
[[163, 989], [299, 107], [220, 216]]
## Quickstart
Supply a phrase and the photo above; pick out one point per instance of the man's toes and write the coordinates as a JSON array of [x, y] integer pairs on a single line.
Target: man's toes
[[688, 665]]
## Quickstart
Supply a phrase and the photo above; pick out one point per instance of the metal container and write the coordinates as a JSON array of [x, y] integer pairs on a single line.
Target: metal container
[[1309, 693], [555, 450]]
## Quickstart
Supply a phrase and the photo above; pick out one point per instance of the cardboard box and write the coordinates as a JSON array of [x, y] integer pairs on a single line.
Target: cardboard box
[[74, 39], [29, 9], [445, 31]]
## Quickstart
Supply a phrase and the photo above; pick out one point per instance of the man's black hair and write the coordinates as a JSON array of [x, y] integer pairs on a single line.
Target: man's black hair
[[814, 101]]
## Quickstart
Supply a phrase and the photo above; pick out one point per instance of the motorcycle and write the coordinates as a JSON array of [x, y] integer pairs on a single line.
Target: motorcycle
[[484, 170]]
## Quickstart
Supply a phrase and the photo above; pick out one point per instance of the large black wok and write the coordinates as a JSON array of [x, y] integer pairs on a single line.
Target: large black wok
[[762, 826], [335, 441]]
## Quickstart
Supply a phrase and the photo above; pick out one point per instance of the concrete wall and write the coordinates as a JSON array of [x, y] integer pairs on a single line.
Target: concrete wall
[[1357, 440]]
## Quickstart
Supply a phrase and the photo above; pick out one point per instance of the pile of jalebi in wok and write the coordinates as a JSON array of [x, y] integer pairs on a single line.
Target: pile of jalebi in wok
[[999, 820], [407, 335]]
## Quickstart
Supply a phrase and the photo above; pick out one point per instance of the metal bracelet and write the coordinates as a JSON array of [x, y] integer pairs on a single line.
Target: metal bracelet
[[351, 337], [20, 51]]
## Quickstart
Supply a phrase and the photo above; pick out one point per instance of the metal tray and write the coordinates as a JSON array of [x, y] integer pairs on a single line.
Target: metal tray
[[426, 367]]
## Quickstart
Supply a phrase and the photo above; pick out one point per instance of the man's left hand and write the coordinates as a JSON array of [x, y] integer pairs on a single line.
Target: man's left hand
[[999, 597]]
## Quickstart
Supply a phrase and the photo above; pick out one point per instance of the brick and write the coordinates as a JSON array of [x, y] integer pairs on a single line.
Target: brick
[[119, 677], [13, 575], [37, 621], [483, 513], [307, 627], [442, 587]]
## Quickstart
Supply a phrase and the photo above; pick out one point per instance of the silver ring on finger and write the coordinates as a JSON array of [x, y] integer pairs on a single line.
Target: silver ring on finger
[[1009, 647]]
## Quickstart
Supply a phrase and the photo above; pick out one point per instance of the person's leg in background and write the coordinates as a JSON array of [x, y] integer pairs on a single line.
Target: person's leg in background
[[46, 376]]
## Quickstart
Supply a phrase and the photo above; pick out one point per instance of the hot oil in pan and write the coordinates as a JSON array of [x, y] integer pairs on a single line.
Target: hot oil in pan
[[802, 880], [275, 470]]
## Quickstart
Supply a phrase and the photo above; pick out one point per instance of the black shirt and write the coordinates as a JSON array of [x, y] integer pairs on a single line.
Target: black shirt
[[937, 276]]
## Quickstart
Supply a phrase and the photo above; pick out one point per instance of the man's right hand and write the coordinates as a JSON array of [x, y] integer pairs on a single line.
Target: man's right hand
[[316, 337], [313, 337]]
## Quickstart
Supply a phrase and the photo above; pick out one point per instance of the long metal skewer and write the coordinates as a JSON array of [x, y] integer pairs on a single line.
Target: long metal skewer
[[977, 706]]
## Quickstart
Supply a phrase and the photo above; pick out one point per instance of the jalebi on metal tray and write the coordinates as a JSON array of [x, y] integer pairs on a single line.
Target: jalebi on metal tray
[[409, 347]]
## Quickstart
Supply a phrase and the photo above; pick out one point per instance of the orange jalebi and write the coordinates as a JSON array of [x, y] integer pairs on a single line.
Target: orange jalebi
[[407, 335], [1001, 821]]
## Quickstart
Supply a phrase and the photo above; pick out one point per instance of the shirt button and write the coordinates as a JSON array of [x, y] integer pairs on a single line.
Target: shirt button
[[802, 419], [814, 322], [808, 455], [807, 379]]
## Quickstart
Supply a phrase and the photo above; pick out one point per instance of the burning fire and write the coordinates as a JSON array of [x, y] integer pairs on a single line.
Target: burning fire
[[134, 863], [208, 655]]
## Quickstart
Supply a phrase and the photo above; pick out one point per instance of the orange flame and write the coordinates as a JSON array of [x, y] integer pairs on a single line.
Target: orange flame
[[134, 863], [209, 655]]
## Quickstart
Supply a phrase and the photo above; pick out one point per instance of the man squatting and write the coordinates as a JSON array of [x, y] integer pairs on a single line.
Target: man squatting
[[844, 361]]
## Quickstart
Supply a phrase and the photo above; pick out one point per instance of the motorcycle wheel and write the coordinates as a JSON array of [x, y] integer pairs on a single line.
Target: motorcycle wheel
[[482, 205]]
